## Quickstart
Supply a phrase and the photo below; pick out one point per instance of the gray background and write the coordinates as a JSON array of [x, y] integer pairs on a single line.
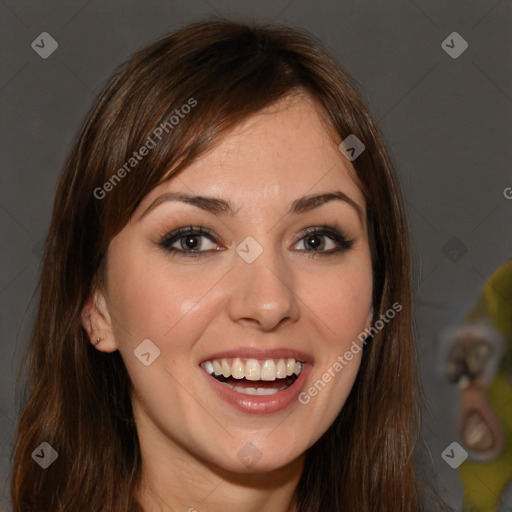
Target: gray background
[[447, 123]]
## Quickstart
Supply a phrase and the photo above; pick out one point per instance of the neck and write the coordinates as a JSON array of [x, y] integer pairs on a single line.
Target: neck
[[173, 479], [168, 486]]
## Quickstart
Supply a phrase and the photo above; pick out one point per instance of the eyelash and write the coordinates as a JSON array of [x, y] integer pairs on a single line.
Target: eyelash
[[332, 233]]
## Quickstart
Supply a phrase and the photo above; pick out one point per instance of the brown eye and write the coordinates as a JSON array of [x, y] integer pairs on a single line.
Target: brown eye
[[189, 241], [192, 242], [317, 242], [324, 241]]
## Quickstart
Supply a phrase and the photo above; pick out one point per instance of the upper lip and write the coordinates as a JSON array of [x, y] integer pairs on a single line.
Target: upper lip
[[261, 353]]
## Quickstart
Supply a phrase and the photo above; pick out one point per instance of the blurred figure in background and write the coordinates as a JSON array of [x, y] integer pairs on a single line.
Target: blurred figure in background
[[479, 361]]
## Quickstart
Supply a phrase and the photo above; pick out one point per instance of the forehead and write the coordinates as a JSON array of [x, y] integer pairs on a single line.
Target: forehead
[[281, 152]]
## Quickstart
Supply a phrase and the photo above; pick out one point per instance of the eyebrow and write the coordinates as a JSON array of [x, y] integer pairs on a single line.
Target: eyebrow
[[222, 207]]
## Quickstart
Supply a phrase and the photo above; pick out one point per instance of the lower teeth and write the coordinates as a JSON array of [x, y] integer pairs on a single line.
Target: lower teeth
[[256, 391]]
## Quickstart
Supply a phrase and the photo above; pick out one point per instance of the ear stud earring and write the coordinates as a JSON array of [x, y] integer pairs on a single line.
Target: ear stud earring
[[97, 341]]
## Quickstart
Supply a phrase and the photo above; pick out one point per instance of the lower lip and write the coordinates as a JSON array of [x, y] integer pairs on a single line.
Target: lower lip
[[256, 404]]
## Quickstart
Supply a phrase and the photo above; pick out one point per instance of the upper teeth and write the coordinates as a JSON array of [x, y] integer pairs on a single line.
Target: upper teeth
[[253, 369]]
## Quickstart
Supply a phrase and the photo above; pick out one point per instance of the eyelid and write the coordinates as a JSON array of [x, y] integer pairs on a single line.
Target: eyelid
[[324, 229], [189, 229]]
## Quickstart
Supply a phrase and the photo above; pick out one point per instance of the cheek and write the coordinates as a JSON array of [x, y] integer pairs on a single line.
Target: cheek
[[151, 300], [342, 299], [341, 304]]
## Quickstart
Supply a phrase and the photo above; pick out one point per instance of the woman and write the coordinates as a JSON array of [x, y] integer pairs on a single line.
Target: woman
[[225, 311]]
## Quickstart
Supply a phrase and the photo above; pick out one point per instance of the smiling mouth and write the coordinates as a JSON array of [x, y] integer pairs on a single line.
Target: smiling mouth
[[253, 376]]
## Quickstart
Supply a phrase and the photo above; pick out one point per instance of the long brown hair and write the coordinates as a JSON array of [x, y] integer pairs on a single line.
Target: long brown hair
[[77, 399]]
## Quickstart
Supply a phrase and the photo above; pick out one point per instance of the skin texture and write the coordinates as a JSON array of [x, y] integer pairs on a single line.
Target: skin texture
[[192, 307]]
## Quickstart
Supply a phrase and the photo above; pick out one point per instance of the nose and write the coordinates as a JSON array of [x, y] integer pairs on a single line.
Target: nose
[[263, 292]]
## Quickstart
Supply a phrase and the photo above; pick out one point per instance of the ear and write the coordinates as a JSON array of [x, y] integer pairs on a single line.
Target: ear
[[97, 322]]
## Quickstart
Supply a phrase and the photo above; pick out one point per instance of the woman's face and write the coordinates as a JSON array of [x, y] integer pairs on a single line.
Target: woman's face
[[277, 281]]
